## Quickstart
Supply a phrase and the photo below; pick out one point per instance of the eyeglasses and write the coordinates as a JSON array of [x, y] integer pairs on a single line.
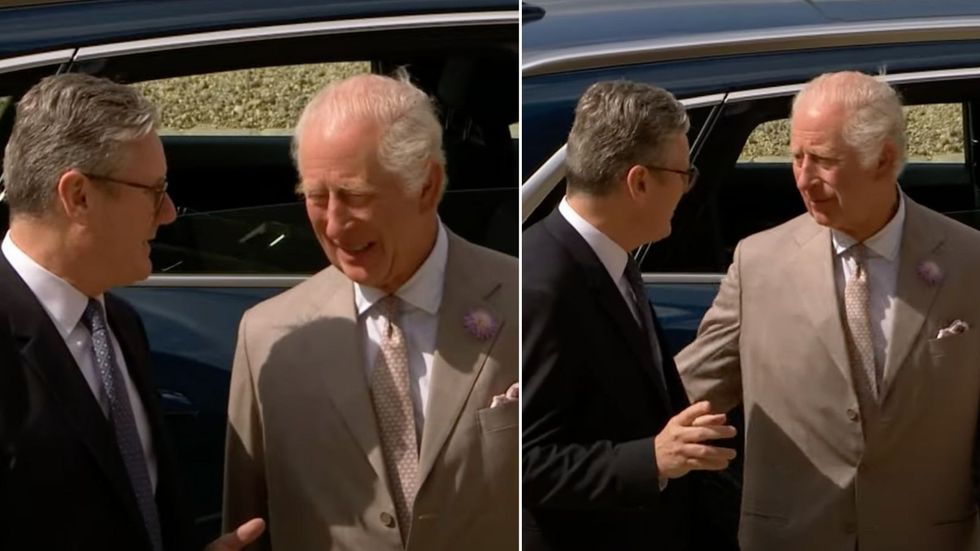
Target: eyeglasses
[[158, 191], [691, 174]]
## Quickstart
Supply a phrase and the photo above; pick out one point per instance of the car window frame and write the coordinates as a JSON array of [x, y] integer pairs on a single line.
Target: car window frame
[[543, 181]]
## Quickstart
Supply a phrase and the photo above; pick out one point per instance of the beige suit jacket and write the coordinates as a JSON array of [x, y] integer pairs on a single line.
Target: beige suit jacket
[[820, 473], [303, 449]]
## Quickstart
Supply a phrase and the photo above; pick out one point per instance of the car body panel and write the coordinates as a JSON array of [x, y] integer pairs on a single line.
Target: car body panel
[[77, 24]]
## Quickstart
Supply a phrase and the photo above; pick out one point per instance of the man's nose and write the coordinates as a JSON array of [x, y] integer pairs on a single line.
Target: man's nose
[[804, 174], [167, 212], [337, 215]]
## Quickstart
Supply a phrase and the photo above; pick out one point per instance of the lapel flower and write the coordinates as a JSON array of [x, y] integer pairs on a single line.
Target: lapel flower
[[930, 272], [480, 323]]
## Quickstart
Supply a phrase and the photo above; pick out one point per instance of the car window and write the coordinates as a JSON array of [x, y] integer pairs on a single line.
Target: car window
[[227, 119], [747, 183], [936, 173], [263, 100], [935, 135], [240, 217]]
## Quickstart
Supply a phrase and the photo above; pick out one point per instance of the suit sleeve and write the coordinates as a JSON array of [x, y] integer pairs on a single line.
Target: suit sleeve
[[710, 367], [244, 488], [559, 470]]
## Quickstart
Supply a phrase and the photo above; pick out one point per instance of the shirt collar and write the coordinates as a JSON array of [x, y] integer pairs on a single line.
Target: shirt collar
[[64, 303], [611, 255], [423, 290], [884, 243]]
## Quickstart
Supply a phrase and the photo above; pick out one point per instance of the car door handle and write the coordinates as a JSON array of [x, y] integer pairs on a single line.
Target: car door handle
[[176, 403]]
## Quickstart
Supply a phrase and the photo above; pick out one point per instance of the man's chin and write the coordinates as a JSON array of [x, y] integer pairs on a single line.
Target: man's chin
[[357, 274], [820, 217]]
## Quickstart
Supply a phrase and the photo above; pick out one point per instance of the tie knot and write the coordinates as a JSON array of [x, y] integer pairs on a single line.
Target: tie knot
[[93, 317], [388, 306], [632, 273], [859, 256], [859, 252]]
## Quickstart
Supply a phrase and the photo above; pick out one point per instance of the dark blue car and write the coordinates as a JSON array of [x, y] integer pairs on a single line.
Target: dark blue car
[[242, 234]]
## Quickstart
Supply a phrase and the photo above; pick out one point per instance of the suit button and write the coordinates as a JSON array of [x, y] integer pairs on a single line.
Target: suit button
[[852, 414], [388, 520], [850, 527]]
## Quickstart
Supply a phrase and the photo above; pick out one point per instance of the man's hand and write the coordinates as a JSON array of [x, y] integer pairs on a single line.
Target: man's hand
[[242, 536], [680, 448]]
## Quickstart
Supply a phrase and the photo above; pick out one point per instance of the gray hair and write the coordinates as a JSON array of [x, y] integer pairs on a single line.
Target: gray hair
[[67, 121], [873, 108], [411, 133], [619, 124]]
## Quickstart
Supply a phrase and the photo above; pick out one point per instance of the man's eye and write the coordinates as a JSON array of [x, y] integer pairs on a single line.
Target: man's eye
[[318, 198], [356, 198]]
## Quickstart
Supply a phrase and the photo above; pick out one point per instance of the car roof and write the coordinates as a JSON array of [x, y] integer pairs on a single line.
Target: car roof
[[557, 27], [31, 26]]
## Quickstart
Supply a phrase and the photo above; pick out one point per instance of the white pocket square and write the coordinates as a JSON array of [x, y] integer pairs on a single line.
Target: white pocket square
[[512, 395], [956, 328]]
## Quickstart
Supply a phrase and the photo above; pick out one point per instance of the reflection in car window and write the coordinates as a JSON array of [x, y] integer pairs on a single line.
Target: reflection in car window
[[265, 100]]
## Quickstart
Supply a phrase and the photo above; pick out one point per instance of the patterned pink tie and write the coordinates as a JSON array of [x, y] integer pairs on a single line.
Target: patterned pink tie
[[857, 300], [396, 418]]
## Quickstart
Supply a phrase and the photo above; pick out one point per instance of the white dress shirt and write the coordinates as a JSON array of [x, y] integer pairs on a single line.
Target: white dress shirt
[[881, 264], [611, 255], [65, 305], [420, 297]]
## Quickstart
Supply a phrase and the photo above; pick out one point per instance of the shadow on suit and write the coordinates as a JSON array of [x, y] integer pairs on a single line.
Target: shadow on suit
[[765, 521], [282, 386]]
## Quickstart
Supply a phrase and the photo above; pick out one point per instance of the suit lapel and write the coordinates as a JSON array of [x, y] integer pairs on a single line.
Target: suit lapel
[[459, 355], [813, 271], [914, 296], [43, 351], [609, 298], [337, 364]]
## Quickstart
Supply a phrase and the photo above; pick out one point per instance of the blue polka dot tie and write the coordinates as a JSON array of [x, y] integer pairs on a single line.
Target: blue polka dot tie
[[123, 421]]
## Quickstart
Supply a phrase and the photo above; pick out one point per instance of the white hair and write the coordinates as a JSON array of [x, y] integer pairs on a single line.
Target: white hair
[[874, 113], [411, 134]]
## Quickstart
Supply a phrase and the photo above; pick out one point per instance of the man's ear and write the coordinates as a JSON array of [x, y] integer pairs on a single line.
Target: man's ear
[[636, 184], [432, 186], [73, 195], [887, 160]]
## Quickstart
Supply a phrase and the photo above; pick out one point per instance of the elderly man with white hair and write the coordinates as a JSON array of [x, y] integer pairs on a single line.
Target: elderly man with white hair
[[850, 333], [374, 405]]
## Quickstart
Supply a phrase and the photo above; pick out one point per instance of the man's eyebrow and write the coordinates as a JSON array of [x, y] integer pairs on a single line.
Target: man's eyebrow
[[314, 186]]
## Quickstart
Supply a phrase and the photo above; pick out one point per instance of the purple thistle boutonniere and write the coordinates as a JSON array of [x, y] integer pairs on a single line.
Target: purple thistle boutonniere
[[930, 272], [481, 323]]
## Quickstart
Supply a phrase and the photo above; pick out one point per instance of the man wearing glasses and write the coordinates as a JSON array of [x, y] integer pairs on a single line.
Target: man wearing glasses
[[90, 467], [607, 428]]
